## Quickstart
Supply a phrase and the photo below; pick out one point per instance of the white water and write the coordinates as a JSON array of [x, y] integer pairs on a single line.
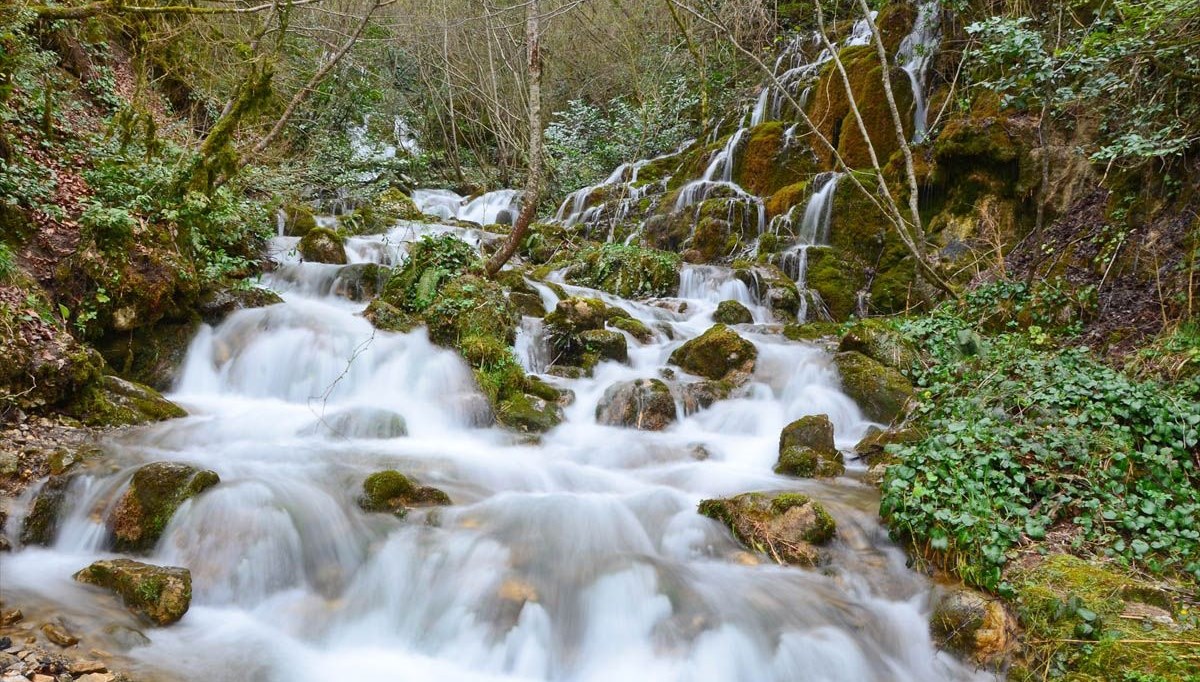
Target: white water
[[814, 231], [582, 558], [499, 206], [915, 55]]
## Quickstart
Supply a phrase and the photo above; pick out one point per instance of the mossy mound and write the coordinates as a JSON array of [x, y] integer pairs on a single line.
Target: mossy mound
[[41, 524], [113, 401], [732, 312], [298, 219], [767, 164], [645, 404], [882, 392], [155, 493], [811, 331], [627, 271], [430, 262], [876, 340], [160, 594], [323, 246], [806, 449], [786, 526], [471, 306], [716, 354], [393, 492], [636, 328], [1094, 622]]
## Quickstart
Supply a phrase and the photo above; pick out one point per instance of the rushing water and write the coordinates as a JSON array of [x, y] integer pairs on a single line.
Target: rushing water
[[578, 558]]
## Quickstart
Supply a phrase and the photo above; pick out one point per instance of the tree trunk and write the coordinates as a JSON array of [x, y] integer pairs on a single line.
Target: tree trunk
[[534, 183]]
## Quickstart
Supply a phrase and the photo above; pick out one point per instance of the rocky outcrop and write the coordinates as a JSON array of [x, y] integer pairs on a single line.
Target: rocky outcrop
[[155, 493], [789, 527], [645, 404], [113, 401], [882, 392], [806, 449], [160, 594], [717, 354], [321, 245], [393, 492]]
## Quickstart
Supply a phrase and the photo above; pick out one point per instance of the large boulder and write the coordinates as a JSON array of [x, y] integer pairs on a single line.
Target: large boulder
[[392, 491], [881, 343], [806, 449], [217, 304], [716, 354], [160, 594], [882, 392], [645, 404], [155, 492], [787, 526], [732, 312], [113, 401], [322, 245]]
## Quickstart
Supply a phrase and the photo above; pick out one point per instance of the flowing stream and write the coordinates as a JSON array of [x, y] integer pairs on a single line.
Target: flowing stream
[[580, 557]]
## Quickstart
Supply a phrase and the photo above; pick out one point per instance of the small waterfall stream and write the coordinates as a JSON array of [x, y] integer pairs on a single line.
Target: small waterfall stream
[[581, 557]]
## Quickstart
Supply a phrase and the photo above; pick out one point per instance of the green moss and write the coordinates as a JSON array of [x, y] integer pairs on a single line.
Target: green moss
[[395, 205], [112, 401], [635, 327], [431, 261], [716, 353], [471, 306], [880, 391], [732, 312], [298, 219], [321, 245], [627, 271], [766, 523], [155, 493], [805, 462], [877, 340], [786, 198], [811, 331]]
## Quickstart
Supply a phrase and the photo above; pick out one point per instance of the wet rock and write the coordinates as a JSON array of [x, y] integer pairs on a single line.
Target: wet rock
[[113, 401], [576, 315], [155, 493], [161, 594], [361, 282], [214, 306], [881, 343], [322, 246], [732, 312], [636, 328], [97, 677], [774, 288], [392, 491], [806, 449], [59, 635], [10, 617], [970, 623], [716, 354], [41, 525], [882, 392], [298, 219], [789, 527], [529, 305], [644, 404], [359, 422], [127, 637], [605, 344], [151, 355], [529, 413], [577, 333]]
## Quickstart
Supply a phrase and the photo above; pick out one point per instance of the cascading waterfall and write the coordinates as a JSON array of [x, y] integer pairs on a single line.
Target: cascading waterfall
[[500, 206], [814, 230], [915, 55], [580, 557]]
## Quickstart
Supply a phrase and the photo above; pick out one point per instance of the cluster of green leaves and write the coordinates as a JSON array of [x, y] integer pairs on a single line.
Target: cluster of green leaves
[[431, 261], [1133, 59], [1025, 438], [627, 270], [8, 264], [585, 142]]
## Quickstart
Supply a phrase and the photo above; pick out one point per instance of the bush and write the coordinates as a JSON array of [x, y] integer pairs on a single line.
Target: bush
[[8, 264]]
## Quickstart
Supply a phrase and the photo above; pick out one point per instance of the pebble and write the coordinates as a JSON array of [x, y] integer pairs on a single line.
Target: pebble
[[10, 617], [59, 635], [82, 667], [96, 677], [43, 678]]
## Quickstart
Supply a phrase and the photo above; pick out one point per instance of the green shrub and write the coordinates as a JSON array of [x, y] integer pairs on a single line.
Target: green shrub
[[8, 263]]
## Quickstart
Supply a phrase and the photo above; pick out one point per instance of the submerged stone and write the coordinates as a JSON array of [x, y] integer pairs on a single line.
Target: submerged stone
[[359, 422], [160, 594], [155, 492], [789, 527], [645, 404]]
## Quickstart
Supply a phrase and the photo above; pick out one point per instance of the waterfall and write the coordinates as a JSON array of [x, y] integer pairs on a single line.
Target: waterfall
[[500, 206], [915, 55], [813, 231]]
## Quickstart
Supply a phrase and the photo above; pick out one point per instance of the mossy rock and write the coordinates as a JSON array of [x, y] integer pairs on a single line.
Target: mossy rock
[[787, 198], [882, 392], [323, 246], [811, 331], [113, 401], [392, 492], [627, 271], [837, 278], [471, 306], [767, 164], [528, 413], [298, 220], [807, 450], [431, 262], [155, 493], [150, 355], [605, 344], [645, 404], [732, 312], [576, 330], [774, 287], [576, 315], [396, 205], [636, 328], [361, 281], [716, 354], [45, 514], [160, 594], [971, 624], [528, 305], [215, 305], [1098, 621], [788, 527], [878, 341]]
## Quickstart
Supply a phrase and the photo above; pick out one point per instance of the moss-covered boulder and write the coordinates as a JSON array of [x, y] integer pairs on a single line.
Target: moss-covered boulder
[[645, 404], [215, 305], [113, 401], [471, 306], [298, 219], [41, 524], [528, 413], [605, 344], [970, 623], [774, 288], [627, 271], [876, 340], [811, 331], [161, 594], [806, 449], [577, 314], [732, 312], [577, 331], [768, 163], [321, 245], [881, 391], [396, 205], [155, 492], [361, 281], [788, 527], [393, 492], [718, 353]]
